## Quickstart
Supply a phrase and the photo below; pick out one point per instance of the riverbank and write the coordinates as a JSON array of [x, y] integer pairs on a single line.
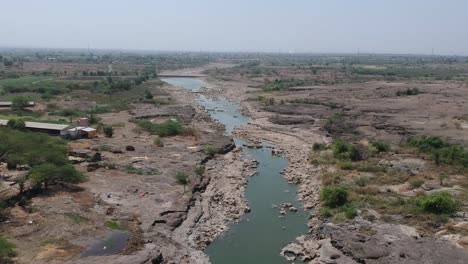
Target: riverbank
[[361, 240]]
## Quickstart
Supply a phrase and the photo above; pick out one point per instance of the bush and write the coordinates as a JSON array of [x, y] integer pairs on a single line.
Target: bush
[[7, 250], [326, 212], [114, 225], [334, 196], [346, 165], [408, 92], [211, 150], [438, 203], [16, 124], [200, 170], [318, 146], [158, 142], [441, 151], [381, 146], [108, 131], [182, 178], [166, 129], [361, 181], [416, 183], [148, 94], [346, 151], [349, 211], [366, 167]]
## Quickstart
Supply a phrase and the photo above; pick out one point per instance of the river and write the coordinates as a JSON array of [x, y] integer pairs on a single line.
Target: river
[[259, 236]]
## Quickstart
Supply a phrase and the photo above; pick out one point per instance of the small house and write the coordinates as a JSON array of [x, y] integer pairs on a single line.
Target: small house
[[89, 132], [10, 104], [51, 129]]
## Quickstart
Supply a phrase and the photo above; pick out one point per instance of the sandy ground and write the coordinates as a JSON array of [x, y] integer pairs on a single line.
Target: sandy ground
[[165, 220], [377, 113]]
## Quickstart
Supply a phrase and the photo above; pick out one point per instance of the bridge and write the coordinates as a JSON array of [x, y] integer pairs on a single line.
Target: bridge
[[175, 75]]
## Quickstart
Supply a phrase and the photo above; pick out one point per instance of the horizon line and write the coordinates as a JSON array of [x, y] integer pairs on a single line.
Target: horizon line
[[279, 51]]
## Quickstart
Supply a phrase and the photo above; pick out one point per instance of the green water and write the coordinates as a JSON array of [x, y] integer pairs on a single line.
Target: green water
[[260, 235]]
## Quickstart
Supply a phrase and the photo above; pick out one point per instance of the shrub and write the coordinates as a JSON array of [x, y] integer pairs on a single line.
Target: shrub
[[381, 146], [114, 225], [416, 183], [331, 179], [346, 151], [7, 250], [166, 129], [346, 165], [318, 146], [366, 167], [158, 141], [148, 94], [408, 92], [182, 178], [326, 212], [211, 150], [93, 119], [108, 131], [200, 170], [16, 124], [349, 211], [361, 181], [334, 196], [438, 203], [441, 151]]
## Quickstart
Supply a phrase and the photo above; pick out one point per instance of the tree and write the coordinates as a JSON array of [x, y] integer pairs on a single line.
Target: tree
[[182, 178], [108, 131], [7, 63], [20, 102], [49, 173], [45, 156], [16, 123], [148, 94]]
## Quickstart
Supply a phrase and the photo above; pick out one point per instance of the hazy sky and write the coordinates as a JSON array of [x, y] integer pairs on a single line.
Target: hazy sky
[[380, 26]]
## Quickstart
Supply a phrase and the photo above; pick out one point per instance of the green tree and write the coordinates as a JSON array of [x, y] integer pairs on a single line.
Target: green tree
[[16, 124], [108, 131], [46, 157], [182, 178], [148, 94], [439, 203], [49, 173], [7, 63], [20, 102], [334, 196]]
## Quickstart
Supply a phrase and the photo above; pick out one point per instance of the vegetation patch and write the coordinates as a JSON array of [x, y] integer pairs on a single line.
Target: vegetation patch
[[7, 250], [115, 225], [45, 156], [281, 85], [441, 151], [345, 151], [408, 92], [211, 150], [438, 203], [166, 129], [334, 196]]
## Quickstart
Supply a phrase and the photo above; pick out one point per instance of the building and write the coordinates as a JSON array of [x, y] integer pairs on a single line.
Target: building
[[9, 104], [81, 132], [66, 131], [51, 129]]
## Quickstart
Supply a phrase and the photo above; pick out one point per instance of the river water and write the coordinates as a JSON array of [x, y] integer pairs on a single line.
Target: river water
[[260, 234]]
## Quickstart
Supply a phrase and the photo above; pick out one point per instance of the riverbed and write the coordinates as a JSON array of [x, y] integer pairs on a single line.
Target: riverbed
[[259, 236]]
